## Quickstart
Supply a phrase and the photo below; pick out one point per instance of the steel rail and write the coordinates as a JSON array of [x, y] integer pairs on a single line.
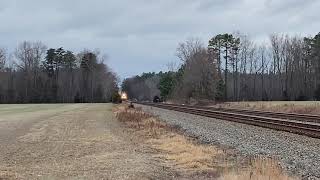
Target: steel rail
[[281, 115]]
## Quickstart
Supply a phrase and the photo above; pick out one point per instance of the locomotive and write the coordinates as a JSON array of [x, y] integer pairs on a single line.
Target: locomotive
[[156, 99]]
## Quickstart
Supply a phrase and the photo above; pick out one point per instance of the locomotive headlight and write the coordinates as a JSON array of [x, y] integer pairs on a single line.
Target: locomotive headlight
[[124, 96]]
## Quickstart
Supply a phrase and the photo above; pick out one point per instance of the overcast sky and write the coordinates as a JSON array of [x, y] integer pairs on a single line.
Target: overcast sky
[[142, 35]]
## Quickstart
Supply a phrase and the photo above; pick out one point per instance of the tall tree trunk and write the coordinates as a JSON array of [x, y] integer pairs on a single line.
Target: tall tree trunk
[[226, 74]]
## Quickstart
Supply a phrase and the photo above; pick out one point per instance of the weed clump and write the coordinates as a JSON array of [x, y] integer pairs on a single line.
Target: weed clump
[[136, 118], [260, 168]]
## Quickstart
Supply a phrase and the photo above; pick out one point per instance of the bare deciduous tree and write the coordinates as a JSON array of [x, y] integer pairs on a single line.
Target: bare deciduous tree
[[54, 75]]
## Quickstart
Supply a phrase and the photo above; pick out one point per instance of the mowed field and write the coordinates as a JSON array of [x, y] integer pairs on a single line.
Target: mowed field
[[68, 141], [105, 141]]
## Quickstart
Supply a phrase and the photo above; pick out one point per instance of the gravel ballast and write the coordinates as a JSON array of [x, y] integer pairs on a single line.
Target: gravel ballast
[[299, 154]]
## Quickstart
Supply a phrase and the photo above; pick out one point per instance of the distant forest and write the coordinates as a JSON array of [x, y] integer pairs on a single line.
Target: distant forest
[[231, 67], [35, 74]]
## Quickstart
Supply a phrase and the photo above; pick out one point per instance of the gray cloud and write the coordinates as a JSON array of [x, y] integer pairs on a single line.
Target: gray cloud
[[142, 35]]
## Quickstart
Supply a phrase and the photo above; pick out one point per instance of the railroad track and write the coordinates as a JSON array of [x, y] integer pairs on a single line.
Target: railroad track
[[282, 123], [289, 116]]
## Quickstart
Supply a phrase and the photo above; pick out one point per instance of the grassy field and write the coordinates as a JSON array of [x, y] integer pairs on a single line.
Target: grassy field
[[70, 141], [31, 111], [20, 108], [24, 108], [101, 141]]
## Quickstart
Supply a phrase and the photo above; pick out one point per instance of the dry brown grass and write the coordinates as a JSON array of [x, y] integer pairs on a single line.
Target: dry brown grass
[[7, 173], [131, 115], [303, 107], [185, 154], [137, 119], [260, 169], [176, 150], [76, 141], [189, 157]]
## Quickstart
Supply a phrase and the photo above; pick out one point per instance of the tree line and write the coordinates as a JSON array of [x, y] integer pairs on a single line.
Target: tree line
[[232, 67], [35, 74]]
